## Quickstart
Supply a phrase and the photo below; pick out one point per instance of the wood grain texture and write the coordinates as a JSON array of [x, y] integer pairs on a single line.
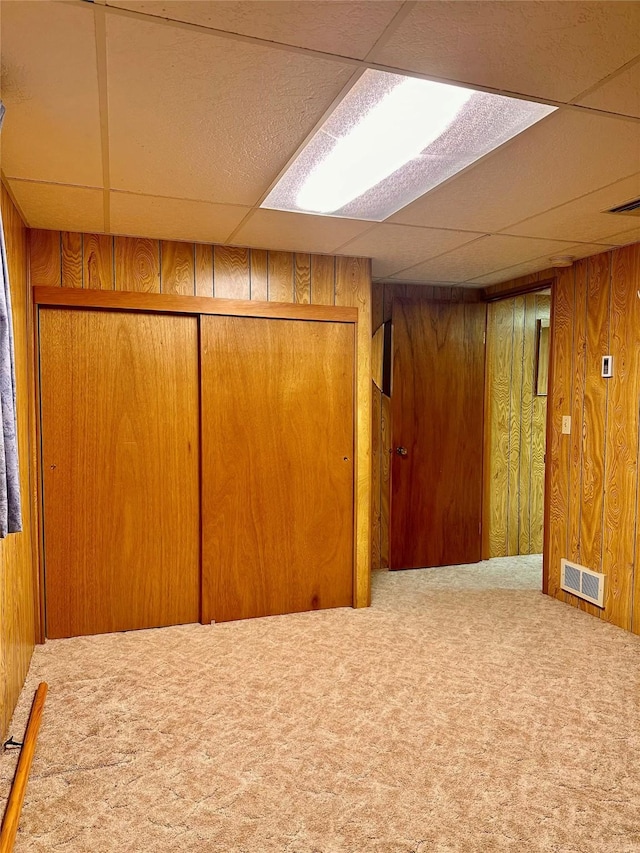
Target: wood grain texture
[[253, 266], [385, 479], [137, 264], [177, 269], [578, 375], [204, 269], [302, 278], [45, 257], [499, 358], [259, 275], [11, 819], [529, 357], [277, 445], [515, 427], [72, 259], [595, 407], [121, 470], [558, 445], [18, 552], [280, 267], [376, 462], [98, 261], [353, 288], [323, 277], [168, 303], [377, 305], [231, 275], [538, 447], [621, 438], [436, 489]]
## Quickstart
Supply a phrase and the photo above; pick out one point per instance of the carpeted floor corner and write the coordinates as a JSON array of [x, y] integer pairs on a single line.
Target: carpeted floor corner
[[464, 712]]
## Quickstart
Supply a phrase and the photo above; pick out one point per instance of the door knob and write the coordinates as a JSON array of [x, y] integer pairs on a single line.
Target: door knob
[[402, 451]]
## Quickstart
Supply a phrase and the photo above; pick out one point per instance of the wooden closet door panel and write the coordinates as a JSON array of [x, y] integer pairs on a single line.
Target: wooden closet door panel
[[277, 466], [120, 455]]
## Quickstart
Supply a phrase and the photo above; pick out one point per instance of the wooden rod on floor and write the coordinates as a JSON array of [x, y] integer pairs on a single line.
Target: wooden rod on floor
[[18, 788]]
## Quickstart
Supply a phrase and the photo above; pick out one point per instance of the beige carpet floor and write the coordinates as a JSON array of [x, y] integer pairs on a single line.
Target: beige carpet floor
[[463, 712]]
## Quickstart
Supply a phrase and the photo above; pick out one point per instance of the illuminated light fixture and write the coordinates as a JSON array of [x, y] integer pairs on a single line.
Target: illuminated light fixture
[[392, 139]]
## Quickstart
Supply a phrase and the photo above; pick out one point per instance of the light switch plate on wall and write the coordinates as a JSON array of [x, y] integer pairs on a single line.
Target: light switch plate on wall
[[566, 424]]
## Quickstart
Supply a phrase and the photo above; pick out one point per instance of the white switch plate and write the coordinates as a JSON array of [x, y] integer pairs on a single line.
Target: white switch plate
[[566, 424], [607, 366]]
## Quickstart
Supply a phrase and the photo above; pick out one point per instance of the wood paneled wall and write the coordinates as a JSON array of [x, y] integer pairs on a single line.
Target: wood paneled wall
[[515, 428], [96, 261], [17, 572], [593, 471]]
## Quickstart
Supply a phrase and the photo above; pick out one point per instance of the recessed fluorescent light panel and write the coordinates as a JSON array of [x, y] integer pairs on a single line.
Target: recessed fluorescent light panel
[[391, 140]]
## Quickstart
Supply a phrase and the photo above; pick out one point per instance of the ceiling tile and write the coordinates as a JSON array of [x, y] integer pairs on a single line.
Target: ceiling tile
[[309, 24], [51, 130], [583, 219], [173, 219], [298, 232], [562, 157], [60, 207], [544, 49], [199, 116], [621, 94], [395, 247], [625, 238], [481, 257], [536, 265]]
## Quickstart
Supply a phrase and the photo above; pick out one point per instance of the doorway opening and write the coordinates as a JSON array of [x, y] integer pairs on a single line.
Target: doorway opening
[[516, 383]]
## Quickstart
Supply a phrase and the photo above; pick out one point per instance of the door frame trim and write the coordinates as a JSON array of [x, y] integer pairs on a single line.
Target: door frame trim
[[165, 302]]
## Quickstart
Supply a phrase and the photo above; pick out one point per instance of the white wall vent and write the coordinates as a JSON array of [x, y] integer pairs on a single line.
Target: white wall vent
[[580, 581]]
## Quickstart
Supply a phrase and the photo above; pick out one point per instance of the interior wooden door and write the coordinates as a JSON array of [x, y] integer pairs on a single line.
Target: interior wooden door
[[437, 400], [277, 466], [120, 456]]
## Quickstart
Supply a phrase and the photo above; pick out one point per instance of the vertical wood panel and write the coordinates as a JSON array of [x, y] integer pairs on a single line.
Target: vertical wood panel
[[18, 552], [515, 413], [204, 269], [376, 463], [577, 409], [499, 359], [71, 259], [137, 264], [377, 305], [323, 279], [385, 479], [259, 275], [538, 446], [120, 466], [45, 260], [620, 503], [98, 261], [595, 402], [231, 275], [288, 484], [526, 423], [353, 288], [558, 449], [302, 278], [280, 277], [177, 268]]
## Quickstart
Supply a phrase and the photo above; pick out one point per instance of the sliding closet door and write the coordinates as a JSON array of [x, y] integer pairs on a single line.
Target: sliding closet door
[[277, 466], [120, 426]]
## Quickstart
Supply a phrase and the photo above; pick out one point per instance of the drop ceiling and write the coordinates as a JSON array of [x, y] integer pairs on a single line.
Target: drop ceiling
[[175, 119]]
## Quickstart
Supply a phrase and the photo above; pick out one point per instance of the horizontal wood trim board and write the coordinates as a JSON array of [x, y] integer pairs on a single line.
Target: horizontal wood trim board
[[489, 295], [170, 303]]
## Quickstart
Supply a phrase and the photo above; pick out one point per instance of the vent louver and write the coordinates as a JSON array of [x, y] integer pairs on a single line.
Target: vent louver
[[580, 581], [631, 207]]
